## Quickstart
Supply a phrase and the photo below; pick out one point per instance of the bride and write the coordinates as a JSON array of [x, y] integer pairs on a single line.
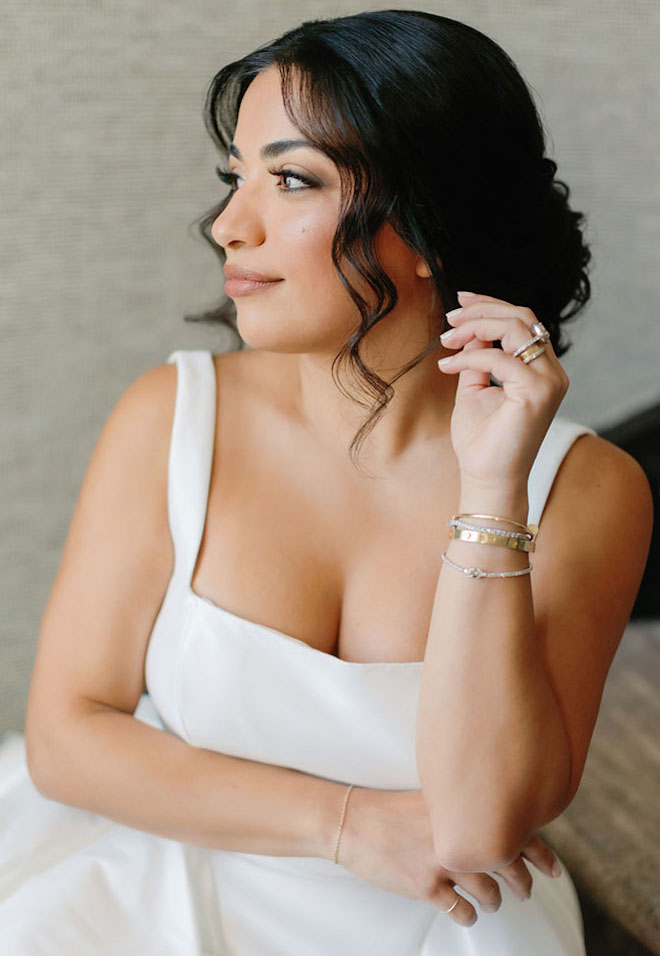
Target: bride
[[310, 680]]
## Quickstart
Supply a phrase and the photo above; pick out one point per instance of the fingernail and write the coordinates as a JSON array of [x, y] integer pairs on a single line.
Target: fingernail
[[466, 293], [447, 334], [445, 361], [450, 315], [556, 869]]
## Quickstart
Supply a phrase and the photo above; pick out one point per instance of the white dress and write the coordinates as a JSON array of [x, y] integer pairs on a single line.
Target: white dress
[[74, 883]]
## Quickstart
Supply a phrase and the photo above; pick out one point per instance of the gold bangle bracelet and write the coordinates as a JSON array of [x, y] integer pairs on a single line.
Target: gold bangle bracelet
[[485, 537], [523, 527]]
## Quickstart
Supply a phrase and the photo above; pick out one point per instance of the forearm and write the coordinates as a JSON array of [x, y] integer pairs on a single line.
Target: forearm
[[491, 744], [113, 764]]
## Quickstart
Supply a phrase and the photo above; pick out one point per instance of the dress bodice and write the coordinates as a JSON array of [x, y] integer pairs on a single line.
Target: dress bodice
[[229, 684]]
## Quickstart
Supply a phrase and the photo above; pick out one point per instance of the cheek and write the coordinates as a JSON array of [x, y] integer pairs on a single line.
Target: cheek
[[310, 233], [306, 247]]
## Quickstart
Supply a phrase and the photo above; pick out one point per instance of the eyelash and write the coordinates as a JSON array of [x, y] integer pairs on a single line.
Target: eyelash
[[229, 177]]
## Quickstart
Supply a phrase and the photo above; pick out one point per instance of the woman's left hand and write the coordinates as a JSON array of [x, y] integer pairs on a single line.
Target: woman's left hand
[[496, 431]]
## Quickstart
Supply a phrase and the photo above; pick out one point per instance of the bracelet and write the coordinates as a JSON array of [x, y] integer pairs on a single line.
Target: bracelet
[[479, 573], [523, 527], [491, 536], [341, 822], [465, 531], [460, 523]]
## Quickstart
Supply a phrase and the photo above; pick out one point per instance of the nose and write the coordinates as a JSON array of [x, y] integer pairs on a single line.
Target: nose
[[239, 222]]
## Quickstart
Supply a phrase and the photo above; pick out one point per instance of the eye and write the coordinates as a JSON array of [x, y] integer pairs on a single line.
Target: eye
[[229, 177], [226, 176]]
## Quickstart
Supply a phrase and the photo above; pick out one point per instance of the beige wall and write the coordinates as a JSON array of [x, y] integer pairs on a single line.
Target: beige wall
[[105, 162]]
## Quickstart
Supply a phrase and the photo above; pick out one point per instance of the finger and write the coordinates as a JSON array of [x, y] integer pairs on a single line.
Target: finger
[[542, 856], [518, 877], [507, 369], [465, 298], [446, 899], [473, 378], [505, 323], [484, 308], [511, 332], [482, 887]]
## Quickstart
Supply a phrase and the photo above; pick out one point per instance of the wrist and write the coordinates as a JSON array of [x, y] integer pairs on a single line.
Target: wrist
[[350, 830], [327, 825], [505, 501]]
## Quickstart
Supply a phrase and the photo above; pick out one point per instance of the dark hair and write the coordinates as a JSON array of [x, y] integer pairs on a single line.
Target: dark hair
[[433, 129]]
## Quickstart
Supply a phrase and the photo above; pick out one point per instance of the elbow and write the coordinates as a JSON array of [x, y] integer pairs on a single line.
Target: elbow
[[478, 851], [43, 759], [35, 767], [474, 859]]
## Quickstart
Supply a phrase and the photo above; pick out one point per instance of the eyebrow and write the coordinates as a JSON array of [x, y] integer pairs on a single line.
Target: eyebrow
[[270, 150]]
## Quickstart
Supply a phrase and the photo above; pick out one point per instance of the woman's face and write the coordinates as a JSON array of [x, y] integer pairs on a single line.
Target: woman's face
[[283, 227]]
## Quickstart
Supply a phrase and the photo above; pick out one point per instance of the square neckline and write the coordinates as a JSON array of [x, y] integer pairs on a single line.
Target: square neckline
[[200, 601], [190, 465], [201, 364]]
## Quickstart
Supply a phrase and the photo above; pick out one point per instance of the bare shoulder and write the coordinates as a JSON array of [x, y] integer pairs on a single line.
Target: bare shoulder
[[148, 400], [601, 506], [136, 434], [593, 542], [596, 471]]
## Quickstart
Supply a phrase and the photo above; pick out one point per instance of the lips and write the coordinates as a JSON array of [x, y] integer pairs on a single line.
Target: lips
[[235, 287], [238, 272]]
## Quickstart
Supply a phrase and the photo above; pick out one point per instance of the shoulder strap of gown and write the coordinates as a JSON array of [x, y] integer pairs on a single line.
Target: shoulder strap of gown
[[191, 455], [558, 439]]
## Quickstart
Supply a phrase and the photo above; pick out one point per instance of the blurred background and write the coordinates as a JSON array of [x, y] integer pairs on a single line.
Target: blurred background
[[105, 164]]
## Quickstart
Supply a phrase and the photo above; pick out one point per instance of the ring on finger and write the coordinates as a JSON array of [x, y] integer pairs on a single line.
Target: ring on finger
[[530, 350], [540, 334]]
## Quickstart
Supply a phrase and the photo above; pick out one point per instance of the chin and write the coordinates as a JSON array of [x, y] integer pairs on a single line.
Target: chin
[[267, 334]]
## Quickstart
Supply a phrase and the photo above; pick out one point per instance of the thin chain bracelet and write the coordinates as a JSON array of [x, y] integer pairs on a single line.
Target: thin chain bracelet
[[479, 573], [341, 823]]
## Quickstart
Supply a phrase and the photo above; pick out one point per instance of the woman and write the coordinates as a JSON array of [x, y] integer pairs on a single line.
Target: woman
[[348, 719]]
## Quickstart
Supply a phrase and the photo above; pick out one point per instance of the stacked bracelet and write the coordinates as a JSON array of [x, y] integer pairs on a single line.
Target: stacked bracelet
[[524, 540]]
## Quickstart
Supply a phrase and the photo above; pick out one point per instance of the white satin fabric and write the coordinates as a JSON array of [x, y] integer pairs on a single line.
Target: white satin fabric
[[75, 883]]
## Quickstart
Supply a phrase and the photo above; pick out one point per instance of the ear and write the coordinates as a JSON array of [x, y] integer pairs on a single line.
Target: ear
[[422, 268]]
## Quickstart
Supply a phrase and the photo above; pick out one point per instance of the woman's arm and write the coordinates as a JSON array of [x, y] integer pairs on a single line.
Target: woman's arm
[[114, 764], [490, 736], [84, 746], [515, 667], [514, 674]]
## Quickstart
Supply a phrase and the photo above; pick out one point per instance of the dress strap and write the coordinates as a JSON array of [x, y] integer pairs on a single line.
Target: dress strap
[[558, 439], [191, 456]]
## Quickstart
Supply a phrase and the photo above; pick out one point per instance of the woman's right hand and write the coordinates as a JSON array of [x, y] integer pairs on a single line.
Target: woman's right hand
[[387, 841]]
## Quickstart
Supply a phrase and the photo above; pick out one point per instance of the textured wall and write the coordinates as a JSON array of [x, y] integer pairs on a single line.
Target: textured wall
[[105, 162]]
